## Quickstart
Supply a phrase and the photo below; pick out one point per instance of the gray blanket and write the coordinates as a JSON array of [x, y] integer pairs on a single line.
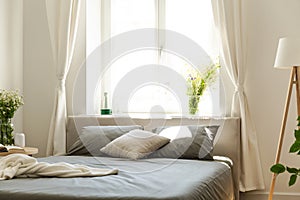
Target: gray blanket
[[141, 179]]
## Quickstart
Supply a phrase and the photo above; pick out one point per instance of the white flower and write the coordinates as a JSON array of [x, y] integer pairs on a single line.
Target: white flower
[[10, 101]]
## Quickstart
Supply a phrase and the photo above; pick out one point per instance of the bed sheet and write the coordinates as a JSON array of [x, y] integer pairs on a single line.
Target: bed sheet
[[156, 178]]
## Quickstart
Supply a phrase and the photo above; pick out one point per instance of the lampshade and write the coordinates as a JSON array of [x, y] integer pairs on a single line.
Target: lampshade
[[288, 53]]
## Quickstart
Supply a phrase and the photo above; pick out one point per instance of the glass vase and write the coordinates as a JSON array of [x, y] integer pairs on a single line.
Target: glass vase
[[193, 104], [6, 132]]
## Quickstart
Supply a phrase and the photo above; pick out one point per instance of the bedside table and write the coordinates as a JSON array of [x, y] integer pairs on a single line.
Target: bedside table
[[31, 150], [28, 151]]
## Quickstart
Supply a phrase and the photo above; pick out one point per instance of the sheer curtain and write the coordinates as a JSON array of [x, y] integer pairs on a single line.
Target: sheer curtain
[[227, 16], [62, 21]]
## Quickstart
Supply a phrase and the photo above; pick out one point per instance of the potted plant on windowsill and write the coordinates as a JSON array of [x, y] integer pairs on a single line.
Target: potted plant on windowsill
[[295, 148], [198, 82]]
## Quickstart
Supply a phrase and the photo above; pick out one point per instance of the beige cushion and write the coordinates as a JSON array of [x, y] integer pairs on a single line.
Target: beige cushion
[[134, 144]]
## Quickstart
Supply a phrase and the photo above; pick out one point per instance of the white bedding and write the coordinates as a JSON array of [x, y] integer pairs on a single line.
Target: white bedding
[[21, 165]]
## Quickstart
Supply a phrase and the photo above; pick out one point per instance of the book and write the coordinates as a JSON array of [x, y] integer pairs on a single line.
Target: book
[[11, 149]]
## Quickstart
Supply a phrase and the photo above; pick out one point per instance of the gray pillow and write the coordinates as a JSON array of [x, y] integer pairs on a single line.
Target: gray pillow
[[135, 144], [92, 138], [188, 142]]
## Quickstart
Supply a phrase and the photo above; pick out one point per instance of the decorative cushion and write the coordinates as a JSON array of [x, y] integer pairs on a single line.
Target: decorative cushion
[[92, 138], [135, 144], [189, 142]]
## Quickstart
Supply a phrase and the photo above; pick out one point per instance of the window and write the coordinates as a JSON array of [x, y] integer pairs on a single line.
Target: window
[[143, 80]]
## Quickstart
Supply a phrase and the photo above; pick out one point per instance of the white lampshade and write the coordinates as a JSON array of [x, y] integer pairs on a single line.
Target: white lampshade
[[288, 53]]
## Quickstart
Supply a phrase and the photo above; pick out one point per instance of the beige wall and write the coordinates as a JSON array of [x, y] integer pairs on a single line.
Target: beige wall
[[266, 87], [266, 21], [39, 75], [11, 51]]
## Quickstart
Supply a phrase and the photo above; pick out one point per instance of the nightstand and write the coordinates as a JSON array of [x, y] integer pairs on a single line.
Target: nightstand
[[31, 150]]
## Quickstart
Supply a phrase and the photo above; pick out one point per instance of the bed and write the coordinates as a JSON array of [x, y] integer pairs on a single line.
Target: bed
[[148, 178]]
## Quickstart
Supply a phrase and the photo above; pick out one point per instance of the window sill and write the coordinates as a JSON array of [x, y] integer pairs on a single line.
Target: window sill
[[155, 116]]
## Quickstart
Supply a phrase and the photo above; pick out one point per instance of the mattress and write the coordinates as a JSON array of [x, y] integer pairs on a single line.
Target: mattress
[[156, 178]]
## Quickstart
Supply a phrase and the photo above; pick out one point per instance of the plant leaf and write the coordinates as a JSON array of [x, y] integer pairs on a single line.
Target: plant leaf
[[297, 135], [293, 179], [298, 119], [292, 170], [277, 168], [295, 147]]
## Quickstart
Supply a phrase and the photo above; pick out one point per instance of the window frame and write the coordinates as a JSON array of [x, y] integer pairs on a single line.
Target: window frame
[[103, 11]]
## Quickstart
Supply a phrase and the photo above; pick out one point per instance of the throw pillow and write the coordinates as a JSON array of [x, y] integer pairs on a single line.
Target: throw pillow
[[189, 142], [135, 144], [93, 138]]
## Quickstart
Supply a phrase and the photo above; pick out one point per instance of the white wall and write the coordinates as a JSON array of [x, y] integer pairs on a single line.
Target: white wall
[[266, 87], [11, 51]]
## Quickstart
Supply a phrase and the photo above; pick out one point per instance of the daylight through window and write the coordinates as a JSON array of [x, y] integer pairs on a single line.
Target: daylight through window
[[160, 74]]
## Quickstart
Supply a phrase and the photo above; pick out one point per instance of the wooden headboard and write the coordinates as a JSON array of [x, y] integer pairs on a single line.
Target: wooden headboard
[[227, 141]]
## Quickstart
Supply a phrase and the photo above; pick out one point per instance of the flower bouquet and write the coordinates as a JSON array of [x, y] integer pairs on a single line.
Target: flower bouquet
[[197, 83], [10, 101]]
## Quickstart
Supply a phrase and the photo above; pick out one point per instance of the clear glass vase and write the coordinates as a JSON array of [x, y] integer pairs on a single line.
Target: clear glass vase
[[193, 104], [6, 132]]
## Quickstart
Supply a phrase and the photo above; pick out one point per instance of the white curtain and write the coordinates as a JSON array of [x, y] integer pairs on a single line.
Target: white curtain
[[63, 23], [228, 18]]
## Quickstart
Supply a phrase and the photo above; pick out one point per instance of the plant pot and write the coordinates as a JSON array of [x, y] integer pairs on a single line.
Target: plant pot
[[6, 132]]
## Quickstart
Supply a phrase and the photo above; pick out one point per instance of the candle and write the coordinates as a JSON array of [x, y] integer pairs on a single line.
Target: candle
[[20, 139]]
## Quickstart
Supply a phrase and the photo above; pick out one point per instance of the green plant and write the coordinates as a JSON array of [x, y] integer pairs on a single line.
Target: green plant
[[197, 83], [295, 148]]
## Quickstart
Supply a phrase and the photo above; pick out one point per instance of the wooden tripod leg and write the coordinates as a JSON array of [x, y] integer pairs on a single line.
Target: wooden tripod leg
[[283, 125]]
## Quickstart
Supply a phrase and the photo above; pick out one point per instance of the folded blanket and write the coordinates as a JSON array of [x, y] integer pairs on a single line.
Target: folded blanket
[[21, 165]]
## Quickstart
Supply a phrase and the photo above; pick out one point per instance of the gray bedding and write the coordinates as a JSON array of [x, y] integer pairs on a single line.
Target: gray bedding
[[144, 179]]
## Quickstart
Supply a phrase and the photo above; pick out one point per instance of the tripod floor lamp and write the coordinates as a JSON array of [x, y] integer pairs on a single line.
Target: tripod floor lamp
[[287, 57]]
